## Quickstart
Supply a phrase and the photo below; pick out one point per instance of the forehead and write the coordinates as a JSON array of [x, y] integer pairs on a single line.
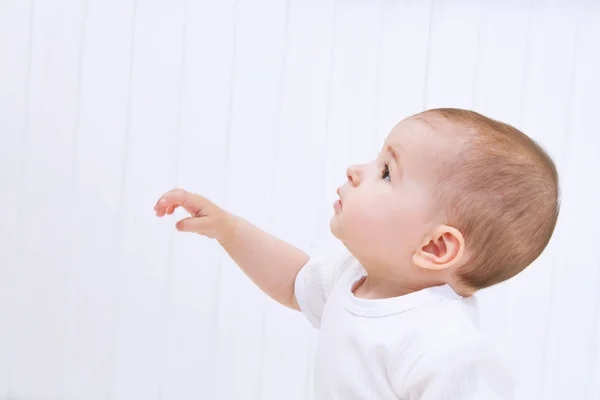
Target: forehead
[[421, 144], [411, 135]]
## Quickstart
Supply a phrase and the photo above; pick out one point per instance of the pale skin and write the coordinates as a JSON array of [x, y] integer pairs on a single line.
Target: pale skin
[[269, 262], [383, 218]]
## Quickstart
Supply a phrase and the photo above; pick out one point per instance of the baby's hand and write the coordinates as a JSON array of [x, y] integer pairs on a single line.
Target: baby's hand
[[206, 218]]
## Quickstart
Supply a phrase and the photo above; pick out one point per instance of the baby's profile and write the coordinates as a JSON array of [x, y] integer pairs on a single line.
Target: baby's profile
[[455, 202]]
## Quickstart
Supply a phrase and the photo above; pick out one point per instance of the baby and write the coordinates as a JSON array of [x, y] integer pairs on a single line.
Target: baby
[[455, 202]]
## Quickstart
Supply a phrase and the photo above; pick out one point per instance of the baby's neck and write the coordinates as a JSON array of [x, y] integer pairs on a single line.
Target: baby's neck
[[374, 288], [381, 285]]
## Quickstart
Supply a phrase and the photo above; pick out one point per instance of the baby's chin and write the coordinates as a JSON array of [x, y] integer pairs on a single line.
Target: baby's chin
[[343, 224], [341, 231], [333, 224]]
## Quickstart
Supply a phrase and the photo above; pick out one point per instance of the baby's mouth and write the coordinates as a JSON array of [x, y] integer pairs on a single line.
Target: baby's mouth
[[337, 206]]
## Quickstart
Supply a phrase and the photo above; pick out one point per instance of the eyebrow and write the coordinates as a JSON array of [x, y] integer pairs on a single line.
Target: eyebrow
[[395, 154]]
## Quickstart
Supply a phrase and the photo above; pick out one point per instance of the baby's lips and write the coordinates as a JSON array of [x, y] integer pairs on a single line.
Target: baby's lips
[[339, 195]]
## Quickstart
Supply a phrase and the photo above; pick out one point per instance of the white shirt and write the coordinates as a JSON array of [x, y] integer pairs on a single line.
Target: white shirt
[[421, 346]]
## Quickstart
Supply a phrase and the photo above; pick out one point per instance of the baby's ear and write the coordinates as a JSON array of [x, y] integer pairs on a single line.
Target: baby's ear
[[441, 249]]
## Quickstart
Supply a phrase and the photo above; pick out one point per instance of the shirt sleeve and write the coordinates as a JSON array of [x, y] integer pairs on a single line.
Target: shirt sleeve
[[314, 283], [470, 371]]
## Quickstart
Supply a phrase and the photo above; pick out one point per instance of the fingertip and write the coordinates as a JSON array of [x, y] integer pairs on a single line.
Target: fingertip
[[185, 225]]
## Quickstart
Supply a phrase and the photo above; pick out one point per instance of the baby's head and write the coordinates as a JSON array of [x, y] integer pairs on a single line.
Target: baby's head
[[453, 197]]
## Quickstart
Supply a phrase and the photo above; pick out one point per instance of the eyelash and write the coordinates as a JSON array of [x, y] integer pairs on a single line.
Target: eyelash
[[385, 174]]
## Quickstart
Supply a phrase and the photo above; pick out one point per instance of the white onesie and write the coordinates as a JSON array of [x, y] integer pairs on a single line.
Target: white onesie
[[421, 346]]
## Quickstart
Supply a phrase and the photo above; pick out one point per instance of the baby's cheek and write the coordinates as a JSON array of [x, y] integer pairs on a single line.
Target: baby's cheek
[[368, 213], [374, 223]]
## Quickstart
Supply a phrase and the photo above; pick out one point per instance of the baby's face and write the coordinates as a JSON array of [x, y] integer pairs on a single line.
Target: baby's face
[[384, 208]]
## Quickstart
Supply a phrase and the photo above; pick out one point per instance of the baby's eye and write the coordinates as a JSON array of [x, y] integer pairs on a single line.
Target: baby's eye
[[385, 174]]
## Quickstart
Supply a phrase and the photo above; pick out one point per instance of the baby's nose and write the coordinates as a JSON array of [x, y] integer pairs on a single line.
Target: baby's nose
[[353, 174]]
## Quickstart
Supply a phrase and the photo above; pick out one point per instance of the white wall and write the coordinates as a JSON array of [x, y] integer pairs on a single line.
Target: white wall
[[105, 104]]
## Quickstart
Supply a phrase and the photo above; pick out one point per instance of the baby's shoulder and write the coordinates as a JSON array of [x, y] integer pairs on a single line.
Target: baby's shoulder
[[447, 320], [447, 327], [446, 335]]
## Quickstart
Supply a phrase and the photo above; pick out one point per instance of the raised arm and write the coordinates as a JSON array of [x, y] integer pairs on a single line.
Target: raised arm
[[271, 263]]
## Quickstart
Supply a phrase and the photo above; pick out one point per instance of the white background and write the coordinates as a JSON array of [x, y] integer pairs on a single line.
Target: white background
[[260, 105]]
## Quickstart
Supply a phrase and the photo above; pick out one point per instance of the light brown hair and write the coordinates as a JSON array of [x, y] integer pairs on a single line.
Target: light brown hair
[[501, 192]]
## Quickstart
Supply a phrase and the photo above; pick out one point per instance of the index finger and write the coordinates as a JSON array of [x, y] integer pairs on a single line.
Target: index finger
[[175, 198]]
